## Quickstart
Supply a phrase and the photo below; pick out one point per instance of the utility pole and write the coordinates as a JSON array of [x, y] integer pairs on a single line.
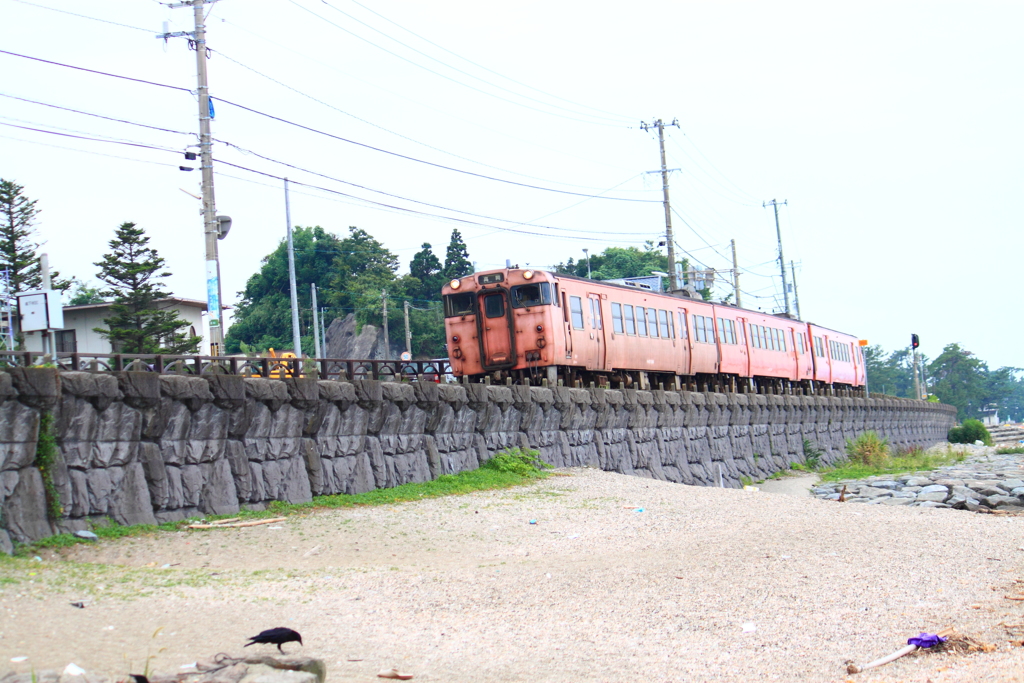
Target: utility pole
[[292, 289], [782, 261], [586, 252], [660, 125], [408, 331], [387, 343], [796, 295], [211, 226], [914, 343], [736, 274], [323, 328], [316, 324]]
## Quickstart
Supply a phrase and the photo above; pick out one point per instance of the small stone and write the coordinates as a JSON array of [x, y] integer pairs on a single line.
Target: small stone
[[886, 484], [896, 501], [911, 489], [930, 504], [935, 497], [872, 492], [1019, 492], [1001, 501], [918, 481], [934, 488], [950, 482], [82, 533], [985, 490], [972, 504], [1010, 484]]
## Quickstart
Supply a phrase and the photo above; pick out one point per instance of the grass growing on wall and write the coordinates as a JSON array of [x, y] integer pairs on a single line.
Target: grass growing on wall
[[46, 459], [509, 468]]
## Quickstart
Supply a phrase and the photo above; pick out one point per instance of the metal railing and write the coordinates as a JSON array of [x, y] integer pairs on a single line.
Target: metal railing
[[273, 368]]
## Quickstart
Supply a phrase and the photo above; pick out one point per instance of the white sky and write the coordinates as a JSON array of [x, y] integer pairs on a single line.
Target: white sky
[[892, 128]]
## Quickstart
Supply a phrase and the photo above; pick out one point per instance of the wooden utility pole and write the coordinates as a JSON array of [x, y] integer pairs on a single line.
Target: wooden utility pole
[[212, 226], [387, 343], [796, 295], [736, 274], [782, 261], [408, 331], [673, 282]]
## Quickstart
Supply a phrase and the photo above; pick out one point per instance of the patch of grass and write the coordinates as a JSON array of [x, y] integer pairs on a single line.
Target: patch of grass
[[1009, 450], [812, 456], [868, 449], [914, 460], [507, 469]]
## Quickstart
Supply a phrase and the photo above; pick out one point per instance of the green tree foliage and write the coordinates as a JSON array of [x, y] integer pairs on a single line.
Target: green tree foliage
[[263, 317], [969, 432], [619, 262], [456, 259], [137, 324], [426, 268], [961, 379], [892, 374], [17, 227], [82, 294]]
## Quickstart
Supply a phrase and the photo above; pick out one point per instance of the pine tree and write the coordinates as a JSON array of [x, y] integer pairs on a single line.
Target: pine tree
[[426, 268], [456, 259], [17, 250], [137, 325]]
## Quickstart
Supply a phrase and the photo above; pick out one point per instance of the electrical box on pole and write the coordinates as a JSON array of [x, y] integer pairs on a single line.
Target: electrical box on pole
[[40, 310]]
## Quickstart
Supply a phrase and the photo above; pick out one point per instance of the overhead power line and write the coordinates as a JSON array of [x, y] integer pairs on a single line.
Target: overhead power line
[[83, 16], [343, 139], [480, 66], [93, 139], [618, 120], [413, 211], [415, 201], [449, 78], [99, 116]]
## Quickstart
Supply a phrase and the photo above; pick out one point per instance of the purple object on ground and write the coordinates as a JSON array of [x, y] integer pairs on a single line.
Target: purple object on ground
[[926, 640]]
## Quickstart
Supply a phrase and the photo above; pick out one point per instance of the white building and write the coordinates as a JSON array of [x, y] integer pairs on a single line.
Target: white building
[[79, 333]]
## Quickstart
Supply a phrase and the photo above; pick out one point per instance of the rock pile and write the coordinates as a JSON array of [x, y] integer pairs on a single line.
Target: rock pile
[[984, 480], [218, 669]]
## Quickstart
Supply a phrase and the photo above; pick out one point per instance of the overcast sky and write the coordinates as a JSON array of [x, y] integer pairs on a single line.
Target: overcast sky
[[893, 130]]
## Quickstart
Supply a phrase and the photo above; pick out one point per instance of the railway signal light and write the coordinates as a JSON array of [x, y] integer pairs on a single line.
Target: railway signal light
[[914, 341]]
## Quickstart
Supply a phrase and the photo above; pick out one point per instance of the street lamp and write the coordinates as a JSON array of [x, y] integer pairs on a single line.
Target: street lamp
[[586, 252]]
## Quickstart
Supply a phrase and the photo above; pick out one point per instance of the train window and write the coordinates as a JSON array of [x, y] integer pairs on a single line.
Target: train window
[[494, 305], [641, 321], [755, 341], [671, 325], [663, 324], [682, 326], [536, 294], [698, 328], [652, 322], [617, 318], [727, 331], [458, 304], [556, 295], [709, 329], [739, 334], [576, 308], [593, 322], [597, 313], [782, 339], [818, 350], [730, 326], [800, 342], [630, 324], [773, 339], [723, 333]]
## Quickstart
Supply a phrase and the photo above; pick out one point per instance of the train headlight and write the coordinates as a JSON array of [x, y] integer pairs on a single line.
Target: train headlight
[[455, 284], [528, 275]]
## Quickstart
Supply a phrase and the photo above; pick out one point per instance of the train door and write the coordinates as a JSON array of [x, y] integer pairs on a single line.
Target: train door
[[742, 339], [568, 325], [683, 350], [596, 357], [496, 341]]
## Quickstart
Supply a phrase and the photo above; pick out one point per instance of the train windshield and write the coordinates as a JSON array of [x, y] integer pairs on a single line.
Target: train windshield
[[456, 305], [537, 294]]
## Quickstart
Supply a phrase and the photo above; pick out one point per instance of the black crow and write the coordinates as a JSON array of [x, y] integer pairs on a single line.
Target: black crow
[[276, 636]]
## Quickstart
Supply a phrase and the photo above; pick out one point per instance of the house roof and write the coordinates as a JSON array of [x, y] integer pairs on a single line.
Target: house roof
[[168, 303]]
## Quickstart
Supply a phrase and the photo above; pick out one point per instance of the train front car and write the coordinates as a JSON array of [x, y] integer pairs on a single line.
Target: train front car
[[501, 322]]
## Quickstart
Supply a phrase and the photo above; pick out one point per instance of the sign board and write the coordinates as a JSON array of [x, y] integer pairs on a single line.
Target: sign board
[[39, 310], [406, 355]]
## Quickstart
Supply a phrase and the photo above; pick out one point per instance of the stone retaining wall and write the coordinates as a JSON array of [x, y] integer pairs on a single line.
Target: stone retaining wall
[[139, 447]]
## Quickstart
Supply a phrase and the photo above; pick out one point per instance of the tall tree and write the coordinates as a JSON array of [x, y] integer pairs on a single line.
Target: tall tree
[[263, 316], [961, 379], [137, 324], [17, 249], [619, 262], [427, 268], [456, 259]]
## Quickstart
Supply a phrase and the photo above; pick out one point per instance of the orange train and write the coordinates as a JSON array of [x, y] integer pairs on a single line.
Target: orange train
[[533, 325]]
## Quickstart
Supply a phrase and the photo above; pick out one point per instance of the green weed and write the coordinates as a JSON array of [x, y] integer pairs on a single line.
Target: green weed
[[868, 449], [1009, 450], [914, 460]]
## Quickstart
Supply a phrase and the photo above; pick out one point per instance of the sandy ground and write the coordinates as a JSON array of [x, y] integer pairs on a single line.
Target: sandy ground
[[701, 585]]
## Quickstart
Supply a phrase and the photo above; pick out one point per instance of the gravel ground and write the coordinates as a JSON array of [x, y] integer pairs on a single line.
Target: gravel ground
[[467, 589]]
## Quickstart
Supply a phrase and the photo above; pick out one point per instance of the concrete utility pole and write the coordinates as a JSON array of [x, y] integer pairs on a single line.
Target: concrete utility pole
[[660, 125], [211, 226], [292, 289], [316, 323], [408, 331], [586, 252], [796, 295], [782, 261], [736, 274], [387, 343], [914, 343]]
